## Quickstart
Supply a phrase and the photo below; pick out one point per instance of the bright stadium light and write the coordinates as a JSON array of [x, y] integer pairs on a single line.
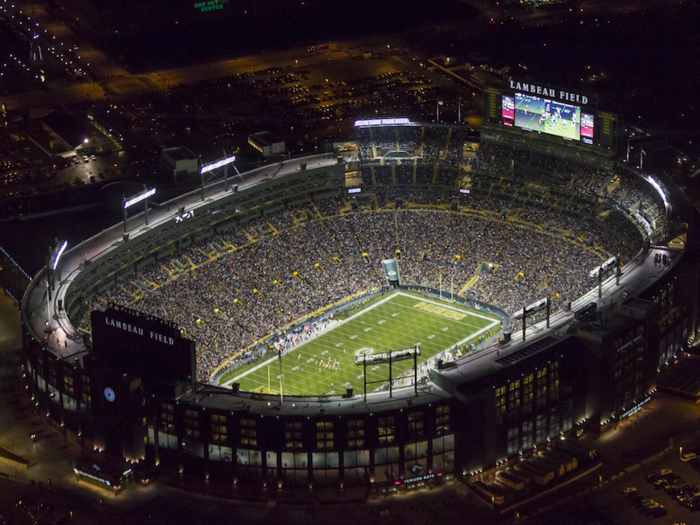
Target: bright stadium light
[[603, 267], [218, 164], [142, 196], [51, 265], [659, 189], [382, 122], [58, 252], [139, 197], [533, 308]]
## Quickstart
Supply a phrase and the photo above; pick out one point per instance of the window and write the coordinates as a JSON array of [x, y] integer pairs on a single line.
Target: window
[[527, 435], [219, 430], [247, 432], [554, 382], [442, 419], [192, 424], [248, 457], [513, 441], [443, 453], [386, 430], [527, 393], [166, 421], [542, 396], [386, 466], [500, 403], [415, 454], [294, 466], [514, 395], [293, 434], [325, 465], [356, 464], [68, 386], [415, 424], [324, 434], [566, 423], [356, 433], [541, 429]]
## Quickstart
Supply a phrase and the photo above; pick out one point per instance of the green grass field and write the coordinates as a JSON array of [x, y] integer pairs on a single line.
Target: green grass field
[[396, 321]]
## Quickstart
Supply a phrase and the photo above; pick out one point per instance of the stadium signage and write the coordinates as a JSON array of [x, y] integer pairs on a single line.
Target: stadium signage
[[96, 478], [535, 89], [127, 327], [210, 5], [635, 408], [384, 357], [415, 479]]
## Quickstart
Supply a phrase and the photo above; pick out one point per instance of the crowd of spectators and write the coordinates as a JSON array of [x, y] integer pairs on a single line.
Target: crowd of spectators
[[228, 303], [585, 190], [294, 262]]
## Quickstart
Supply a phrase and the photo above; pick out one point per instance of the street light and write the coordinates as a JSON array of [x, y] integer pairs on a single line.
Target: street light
[[142, 196]]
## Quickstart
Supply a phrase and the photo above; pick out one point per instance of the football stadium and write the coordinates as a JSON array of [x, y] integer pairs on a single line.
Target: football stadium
[[416, 305]]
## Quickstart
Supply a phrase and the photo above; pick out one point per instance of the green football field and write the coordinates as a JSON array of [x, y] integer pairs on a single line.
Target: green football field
[[393, 322]]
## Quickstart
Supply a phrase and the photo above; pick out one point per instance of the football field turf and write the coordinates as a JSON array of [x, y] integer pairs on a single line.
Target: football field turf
[[392, 322]]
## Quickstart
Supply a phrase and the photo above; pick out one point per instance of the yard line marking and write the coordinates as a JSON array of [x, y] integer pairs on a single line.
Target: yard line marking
[[437, 303], [372, 318], [339, 323]]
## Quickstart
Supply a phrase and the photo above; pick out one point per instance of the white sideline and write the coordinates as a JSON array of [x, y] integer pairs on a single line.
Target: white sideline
[[256, 367]]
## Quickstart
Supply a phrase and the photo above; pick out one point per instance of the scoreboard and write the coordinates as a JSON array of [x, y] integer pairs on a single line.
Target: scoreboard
[[144, 346], [492, 103], [539, 108], [608, 128]]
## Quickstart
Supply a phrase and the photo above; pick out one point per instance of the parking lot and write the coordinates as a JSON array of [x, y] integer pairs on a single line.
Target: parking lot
[[662, 489]]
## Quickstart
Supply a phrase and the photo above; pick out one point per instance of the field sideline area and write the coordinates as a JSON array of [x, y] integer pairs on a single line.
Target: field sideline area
[[325, 364]]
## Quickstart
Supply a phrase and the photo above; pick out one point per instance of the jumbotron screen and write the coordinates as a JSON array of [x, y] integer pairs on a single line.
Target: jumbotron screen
[[547, 116], [587, 122], [508, 108]]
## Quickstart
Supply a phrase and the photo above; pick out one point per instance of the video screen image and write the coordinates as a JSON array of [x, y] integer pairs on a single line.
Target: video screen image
[[587, 128], [508, 110], [547, 116]]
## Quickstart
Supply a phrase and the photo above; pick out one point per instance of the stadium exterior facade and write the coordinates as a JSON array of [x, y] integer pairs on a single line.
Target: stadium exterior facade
[[495, 405]]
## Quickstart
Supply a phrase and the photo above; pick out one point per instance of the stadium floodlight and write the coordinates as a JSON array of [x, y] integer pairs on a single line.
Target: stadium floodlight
[[139, 197], [382, 122], [142, 196], [533, 308], [354, 190], [57, 254], [607, 265], [218, 164], [51, 265], [658, 189]]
